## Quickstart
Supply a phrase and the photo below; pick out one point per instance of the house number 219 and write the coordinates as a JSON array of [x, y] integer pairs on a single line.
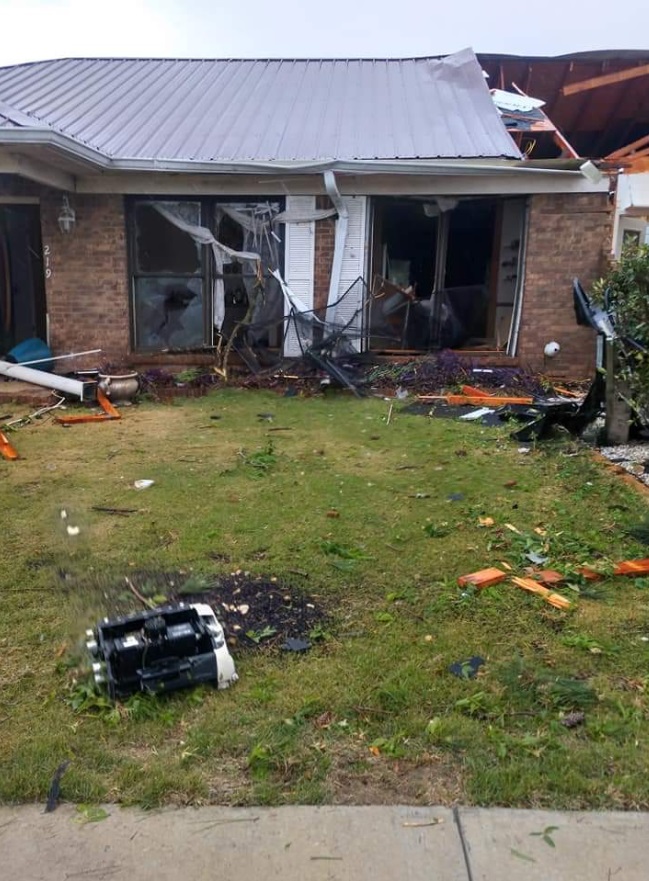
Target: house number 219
[[46, 261]]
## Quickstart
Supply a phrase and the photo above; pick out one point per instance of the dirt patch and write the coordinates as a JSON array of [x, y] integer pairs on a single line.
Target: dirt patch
[[434, 779], [259, 612]]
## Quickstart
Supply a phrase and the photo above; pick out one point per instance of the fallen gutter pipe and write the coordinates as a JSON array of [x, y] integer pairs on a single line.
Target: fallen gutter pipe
[[47, 380], [340, 237], [60, 357]]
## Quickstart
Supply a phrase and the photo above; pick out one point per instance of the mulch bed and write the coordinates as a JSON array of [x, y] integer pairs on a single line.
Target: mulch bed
[[250, 607]]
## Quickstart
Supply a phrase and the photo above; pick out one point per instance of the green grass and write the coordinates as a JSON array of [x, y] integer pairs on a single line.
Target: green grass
[[371, 713]]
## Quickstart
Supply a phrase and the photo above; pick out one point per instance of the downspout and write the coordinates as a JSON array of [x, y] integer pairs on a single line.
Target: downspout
[[340, 236], [47, 380]]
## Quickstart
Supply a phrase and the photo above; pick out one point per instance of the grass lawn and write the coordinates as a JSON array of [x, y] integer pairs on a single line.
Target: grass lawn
[[371, 714]]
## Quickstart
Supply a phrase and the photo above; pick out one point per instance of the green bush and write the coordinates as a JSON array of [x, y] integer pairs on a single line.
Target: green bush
[[624, 292]]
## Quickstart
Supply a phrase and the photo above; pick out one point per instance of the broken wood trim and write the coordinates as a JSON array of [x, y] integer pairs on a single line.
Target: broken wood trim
[[607, 79], [6, 448], [110, 413], [554, 599], [473, 400]]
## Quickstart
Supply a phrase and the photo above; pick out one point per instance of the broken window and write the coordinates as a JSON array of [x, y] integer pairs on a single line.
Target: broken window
[[445, 271], [196, 272], [168, 279]]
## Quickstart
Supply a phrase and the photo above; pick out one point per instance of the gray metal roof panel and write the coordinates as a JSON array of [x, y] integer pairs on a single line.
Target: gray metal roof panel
[[265, 110]]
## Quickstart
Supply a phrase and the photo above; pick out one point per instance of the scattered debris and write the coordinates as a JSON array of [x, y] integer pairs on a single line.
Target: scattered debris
[[483, 578], [549, 577], [467, 669], [143, 484], [110, 413], [554, 599], [475, 400], [55, 787], [91, 814], [296, 645], [572, 720], [537, 559], [632, 567], [455, 497], [121, 512], [7, 449], [477, 414]]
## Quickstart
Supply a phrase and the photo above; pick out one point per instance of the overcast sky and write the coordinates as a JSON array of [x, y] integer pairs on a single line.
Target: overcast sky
[[37, 29]]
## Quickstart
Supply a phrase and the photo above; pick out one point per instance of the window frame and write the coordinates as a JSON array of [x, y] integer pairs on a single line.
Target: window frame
[[208, 206]]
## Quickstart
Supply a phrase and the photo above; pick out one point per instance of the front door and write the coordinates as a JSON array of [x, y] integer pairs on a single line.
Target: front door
[[22, 285]]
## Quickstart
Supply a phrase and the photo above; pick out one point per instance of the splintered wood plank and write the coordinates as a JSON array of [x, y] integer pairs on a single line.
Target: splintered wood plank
[[632, 567], [483, 578], [554, 599], [7, 449]]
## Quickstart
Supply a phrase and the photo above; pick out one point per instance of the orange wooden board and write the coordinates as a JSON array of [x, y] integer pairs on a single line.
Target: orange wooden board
[[7, 449], [483, 578]]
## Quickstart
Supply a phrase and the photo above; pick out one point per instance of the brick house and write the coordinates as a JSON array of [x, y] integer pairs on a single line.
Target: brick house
[[120, 180]]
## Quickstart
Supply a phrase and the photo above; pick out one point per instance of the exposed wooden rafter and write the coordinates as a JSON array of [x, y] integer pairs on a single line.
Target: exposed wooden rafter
[[633, 147], [607, 79]]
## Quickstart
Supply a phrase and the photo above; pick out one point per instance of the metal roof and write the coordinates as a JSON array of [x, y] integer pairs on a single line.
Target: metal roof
[[263, 110]]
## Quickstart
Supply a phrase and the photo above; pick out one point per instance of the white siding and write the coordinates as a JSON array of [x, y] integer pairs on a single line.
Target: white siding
[[353, 265], [299, 264]]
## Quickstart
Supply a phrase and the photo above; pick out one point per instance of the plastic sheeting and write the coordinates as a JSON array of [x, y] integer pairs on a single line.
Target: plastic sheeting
[[222, 254]]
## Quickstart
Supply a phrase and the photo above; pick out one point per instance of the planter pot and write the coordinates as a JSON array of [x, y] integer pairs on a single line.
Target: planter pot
[[120, 389]]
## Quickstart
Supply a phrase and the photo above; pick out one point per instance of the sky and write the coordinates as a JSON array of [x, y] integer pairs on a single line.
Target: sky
[[31, 30]]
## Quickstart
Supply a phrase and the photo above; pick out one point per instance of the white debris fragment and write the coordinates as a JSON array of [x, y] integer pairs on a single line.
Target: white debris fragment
[[73, 530], [64, 514], [476, 414], [143, 484]]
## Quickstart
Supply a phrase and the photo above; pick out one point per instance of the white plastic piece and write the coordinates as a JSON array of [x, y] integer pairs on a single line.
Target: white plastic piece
[[224, 664], [40, 377], [476, 414], [143, 484], [73, 530]]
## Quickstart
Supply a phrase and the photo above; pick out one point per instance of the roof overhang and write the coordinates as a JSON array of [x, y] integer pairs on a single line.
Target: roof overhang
[[53, 159]]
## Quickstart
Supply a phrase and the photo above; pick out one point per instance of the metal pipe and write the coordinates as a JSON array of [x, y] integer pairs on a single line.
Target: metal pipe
[[340, 237], [514, 330], [47, 380], [60, 357]]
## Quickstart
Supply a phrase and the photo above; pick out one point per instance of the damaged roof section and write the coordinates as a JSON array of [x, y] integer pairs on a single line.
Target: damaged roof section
[[265, 110]]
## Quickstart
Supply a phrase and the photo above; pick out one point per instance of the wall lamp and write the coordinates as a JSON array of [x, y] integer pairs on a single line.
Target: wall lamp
[[67, 217]]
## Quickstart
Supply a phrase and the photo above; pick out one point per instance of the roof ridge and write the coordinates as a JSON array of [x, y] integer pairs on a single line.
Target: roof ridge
[[228, 59]]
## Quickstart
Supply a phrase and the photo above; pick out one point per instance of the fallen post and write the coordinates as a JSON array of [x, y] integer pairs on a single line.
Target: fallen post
[[47, 380]]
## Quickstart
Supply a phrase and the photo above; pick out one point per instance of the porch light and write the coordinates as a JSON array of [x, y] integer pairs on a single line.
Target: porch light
[[67, 217]]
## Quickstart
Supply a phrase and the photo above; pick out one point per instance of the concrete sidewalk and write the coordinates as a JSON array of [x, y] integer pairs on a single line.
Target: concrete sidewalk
[[323, 844]]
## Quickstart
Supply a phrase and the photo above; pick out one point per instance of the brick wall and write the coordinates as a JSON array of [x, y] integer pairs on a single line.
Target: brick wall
[[568, 236], [324, 254], [87, 292]]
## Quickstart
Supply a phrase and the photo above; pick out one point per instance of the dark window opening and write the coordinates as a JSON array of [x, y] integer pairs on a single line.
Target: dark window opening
[[445, 271]]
